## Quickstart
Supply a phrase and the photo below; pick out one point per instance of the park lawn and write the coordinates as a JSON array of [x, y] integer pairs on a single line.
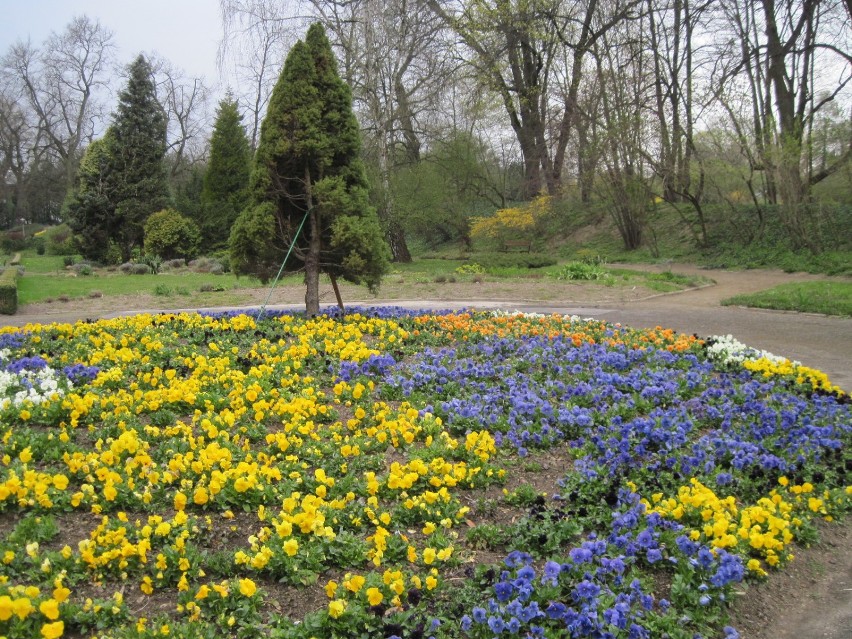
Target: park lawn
[[34, 263], [46, 279], [828, 298], [39, 287]]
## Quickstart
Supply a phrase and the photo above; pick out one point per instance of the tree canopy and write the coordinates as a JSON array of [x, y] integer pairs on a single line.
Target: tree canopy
[[123, 179], [308, 168], [227, 177]]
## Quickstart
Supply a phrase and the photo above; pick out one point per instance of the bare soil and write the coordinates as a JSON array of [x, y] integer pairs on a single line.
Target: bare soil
[[812, 596]]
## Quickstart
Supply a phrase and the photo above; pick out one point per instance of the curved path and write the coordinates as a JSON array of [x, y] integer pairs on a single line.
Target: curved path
[[817, 341]]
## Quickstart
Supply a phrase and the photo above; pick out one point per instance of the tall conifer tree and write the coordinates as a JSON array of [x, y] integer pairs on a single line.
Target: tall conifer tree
[[308, 167], [138, 149], [123, 179], [227, 177], [90, 205]]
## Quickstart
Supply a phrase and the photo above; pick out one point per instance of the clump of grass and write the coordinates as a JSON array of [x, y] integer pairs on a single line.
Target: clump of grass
[[95, 294], [582, 271], [162, 290]]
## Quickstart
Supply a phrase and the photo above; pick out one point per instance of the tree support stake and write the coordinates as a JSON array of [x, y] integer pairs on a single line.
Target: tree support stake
[[281, 270]]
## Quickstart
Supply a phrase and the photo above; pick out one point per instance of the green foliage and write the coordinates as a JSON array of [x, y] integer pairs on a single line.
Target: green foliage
[[227, 178], [494, 261], [829, 298], [523, 495], [252, 252], [186, 190], [308, 164], [122, 179], [582, 271], [170, 235], [59, 240], [473, 268], [90, 206], [437, 197], [33, 527], [9, 291], [12, 241]]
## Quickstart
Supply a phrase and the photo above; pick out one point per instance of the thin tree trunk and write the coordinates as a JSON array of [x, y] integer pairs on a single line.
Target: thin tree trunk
[[312, 257], [334, 286]]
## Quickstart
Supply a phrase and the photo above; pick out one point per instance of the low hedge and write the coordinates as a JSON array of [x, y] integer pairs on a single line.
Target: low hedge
[[514, 260], [9, 291]]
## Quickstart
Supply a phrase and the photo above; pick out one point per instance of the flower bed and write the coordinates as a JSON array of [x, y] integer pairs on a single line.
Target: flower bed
[[390, 473]]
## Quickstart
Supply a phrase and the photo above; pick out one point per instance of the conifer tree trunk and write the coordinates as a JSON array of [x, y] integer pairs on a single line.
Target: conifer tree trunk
[[312, 257]]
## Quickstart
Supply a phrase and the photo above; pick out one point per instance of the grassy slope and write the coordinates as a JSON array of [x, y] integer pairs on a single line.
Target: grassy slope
[[829, 298]]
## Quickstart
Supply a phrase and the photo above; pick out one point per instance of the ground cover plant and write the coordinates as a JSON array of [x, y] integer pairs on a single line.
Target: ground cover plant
[[400, 474]]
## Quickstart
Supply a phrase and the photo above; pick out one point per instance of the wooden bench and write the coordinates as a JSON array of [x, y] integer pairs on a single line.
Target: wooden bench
[[523, 245]]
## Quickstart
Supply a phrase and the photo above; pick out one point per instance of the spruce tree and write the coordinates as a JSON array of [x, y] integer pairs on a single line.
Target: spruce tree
[[308, 167], [122, 178], [227, 177], [138, 149]]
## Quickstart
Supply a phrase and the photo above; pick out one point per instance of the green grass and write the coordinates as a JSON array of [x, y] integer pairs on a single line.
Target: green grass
[[42, 263], [38, 287], [828, 298]]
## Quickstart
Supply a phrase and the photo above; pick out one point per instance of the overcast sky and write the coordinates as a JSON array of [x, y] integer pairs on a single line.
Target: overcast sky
[[186, 32]]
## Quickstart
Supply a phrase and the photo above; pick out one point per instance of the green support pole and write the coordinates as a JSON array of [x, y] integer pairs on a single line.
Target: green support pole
[[281, 270]]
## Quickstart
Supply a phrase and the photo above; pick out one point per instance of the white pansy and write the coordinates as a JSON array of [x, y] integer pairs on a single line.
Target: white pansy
[[36, 387], [727, 350]]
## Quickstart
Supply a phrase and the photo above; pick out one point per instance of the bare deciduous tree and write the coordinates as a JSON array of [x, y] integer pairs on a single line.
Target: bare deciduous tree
[[393, 60], [257, 36], [785, 47], [185, 102], [61, 83]]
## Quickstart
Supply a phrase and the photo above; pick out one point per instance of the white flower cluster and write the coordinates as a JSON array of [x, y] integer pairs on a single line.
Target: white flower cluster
[[727, 350], [568, 318], [36, 387]]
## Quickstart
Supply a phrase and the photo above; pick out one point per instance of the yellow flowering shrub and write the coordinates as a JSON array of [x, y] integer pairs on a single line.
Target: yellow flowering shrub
[[511, 220]]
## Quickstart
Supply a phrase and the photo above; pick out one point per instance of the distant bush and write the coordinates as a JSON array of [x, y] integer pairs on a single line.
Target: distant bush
[[588, 256], [154, 262], [134, 268], [170, 235], [472, 268], [207, 265], [224, 259], [509, 223], [59, 240], [173, 264], [515, 260], [582, 271], [12, 241], [9, 291], [83, 268]]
